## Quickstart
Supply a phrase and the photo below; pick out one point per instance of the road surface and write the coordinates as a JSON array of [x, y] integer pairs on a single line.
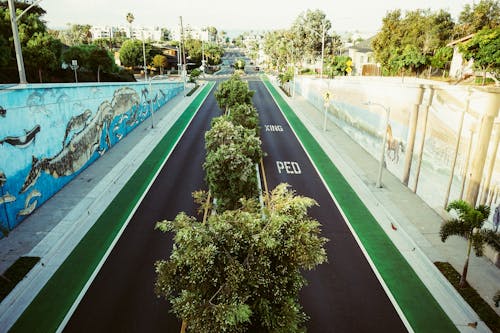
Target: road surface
[[343, 295]]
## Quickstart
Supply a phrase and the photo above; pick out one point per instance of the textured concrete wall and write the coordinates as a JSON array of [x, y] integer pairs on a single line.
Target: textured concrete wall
[[349, 108], [50, 133]]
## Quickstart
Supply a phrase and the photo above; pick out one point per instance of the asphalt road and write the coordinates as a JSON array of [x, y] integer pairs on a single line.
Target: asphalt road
[[343, 295], [121, 297]]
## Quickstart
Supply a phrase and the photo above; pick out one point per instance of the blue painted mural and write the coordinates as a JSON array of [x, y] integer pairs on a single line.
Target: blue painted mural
[[50, 133]]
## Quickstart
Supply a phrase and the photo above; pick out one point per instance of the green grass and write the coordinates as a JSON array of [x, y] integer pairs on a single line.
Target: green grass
[[418, 305], [15, 273], [48, 309], [470, 295]]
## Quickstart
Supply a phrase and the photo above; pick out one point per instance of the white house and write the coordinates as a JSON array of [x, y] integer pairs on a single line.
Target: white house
[[363, 59]]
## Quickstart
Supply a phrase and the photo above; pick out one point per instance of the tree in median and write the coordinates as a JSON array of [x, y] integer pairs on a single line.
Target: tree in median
[[232, 152], [245, 115], [468, 223], [241, 271], [233, 92]]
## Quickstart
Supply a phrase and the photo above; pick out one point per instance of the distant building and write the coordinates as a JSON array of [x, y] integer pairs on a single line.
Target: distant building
[[363, 59], [146, 33], [194, 33]]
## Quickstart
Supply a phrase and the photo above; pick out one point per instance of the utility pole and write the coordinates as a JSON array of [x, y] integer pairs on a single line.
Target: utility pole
[[17, 43]]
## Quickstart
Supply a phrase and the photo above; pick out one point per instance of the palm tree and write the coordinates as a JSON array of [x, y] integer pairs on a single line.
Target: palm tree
[[130, 18], [468, 224]]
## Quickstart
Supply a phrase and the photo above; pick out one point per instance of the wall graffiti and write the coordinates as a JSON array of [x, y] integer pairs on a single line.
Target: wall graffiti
[[53, 132]]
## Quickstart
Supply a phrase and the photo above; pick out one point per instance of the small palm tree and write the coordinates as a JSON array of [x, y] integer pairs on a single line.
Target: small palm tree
[[130, 18], [468, 224]]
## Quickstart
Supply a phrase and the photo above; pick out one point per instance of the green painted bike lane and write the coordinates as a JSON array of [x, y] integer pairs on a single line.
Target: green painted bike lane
[[418, 305], [49, 308]]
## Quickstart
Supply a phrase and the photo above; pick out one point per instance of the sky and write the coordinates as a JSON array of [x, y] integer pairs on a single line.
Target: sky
[[256, 15]]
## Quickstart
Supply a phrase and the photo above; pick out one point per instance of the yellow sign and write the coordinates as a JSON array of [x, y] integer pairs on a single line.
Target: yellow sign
[[326, 96], [349, 63], [348, 69]]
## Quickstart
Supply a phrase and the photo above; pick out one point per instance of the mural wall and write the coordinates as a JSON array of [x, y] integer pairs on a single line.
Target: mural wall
[[359, 106], [50, 133]]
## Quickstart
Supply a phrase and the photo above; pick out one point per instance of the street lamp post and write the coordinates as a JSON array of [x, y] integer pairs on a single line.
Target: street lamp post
[[322, 48], [17, 43], [15, 36], [384, 142], [151, 104], [144, 56], [326, 100]]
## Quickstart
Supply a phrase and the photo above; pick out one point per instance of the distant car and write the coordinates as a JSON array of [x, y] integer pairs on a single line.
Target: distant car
[[257, 68]]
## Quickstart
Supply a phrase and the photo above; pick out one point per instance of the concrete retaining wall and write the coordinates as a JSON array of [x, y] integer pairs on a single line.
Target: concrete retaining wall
[[49, 133]]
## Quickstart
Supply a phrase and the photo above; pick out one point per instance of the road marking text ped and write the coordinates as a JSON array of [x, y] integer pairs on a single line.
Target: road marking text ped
[[288, 167]]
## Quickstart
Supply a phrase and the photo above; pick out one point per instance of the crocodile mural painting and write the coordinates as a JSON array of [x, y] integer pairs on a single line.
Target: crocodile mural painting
[[58, 131]]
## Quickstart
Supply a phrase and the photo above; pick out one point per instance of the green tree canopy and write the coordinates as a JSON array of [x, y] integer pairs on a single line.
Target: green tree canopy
[[467, 223], [240, 271], [279, 47], [245, 115], [337, 65], [442, 57], [213, 53], [90, 57], [239, 64], [484, 48], [131, 53], [409, 42], [42, 53], [484, 14], [308, 29], [75, 34], [233, 92], [193, 49], [29, 25], [160, 61], [232, 152]]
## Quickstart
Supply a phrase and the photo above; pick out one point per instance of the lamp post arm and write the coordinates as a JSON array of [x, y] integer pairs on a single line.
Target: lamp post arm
[[27, 9]]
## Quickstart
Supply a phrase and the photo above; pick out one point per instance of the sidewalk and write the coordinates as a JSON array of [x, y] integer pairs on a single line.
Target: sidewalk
[[417, 225], [54, 229]]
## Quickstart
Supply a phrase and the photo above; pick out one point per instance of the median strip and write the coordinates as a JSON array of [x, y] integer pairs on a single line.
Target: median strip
[[49, 307], [418, 305]]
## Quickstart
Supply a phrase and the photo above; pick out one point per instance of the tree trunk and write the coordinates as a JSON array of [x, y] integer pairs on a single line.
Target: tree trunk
[[99, 73], [184, 326], [40, 75], [463, 279]]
